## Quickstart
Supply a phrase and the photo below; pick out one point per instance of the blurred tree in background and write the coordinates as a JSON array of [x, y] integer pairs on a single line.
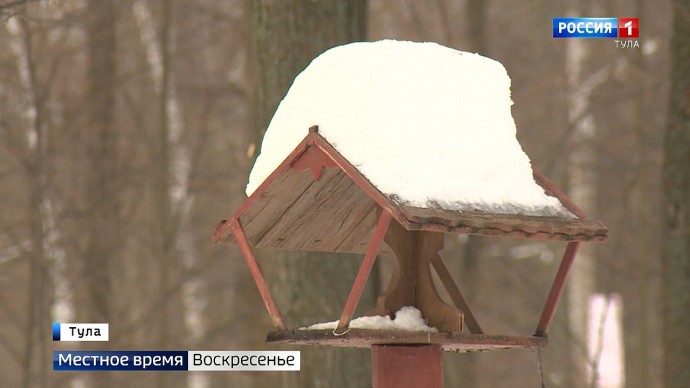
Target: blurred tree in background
[[676, 248]]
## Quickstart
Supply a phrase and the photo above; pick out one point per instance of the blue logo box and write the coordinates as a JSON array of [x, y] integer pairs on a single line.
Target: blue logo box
[[585, 27], [56, 331]]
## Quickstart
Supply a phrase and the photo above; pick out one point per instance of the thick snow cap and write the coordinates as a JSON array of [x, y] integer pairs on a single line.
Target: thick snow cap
[[428, 125]]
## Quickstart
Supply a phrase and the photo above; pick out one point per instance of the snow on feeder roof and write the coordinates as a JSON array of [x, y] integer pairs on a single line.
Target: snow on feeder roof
[[427, 125], [419, 129]]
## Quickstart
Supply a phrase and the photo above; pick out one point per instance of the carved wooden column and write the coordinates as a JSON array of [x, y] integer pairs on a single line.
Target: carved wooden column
[[411, 283]]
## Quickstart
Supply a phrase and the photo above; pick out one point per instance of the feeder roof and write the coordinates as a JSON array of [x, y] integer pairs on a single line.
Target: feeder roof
[[418, 129], [316, 200]]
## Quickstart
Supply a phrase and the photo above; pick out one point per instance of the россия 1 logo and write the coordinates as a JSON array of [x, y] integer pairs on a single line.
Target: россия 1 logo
[[628, 27], [596, 27]]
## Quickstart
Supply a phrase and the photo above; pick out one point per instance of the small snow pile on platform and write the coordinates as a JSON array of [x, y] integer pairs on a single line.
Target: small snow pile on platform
[[407, 318], [428, 125]]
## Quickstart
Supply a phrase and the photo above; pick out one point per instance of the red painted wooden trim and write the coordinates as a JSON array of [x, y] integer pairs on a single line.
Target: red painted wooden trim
[[315, 160], [255, 270], [364, 271], [553, 190], [557, 288]]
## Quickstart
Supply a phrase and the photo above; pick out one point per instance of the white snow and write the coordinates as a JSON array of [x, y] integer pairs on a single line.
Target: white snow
[[407, 318], [428, 125]]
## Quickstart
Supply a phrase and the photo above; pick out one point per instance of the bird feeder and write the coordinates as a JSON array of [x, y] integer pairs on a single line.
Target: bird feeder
[[322, 199], [316, 200]]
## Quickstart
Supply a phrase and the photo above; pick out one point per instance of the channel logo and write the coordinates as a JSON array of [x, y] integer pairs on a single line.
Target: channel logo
[[628, 27], [596, 27]]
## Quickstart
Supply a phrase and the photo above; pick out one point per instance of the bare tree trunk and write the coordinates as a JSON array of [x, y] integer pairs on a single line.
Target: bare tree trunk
[[171, 170], [581, 175], [170, 328], [676, 237], [476, 21], [21, 43], [101, 183], [638, 347], [287, 35], [45, 253], [162, 174]]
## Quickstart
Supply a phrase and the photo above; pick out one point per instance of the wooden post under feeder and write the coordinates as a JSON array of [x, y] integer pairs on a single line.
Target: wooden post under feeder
[[316, 200]]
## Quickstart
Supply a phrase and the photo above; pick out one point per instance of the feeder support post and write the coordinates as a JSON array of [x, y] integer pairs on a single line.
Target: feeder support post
[[258, 276], [364, 271], [406, 366], [557, 288]]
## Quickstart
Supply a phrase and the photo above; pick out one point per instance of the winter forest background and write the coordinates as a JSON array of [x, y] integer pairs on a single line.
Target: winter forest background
[[128, 128]]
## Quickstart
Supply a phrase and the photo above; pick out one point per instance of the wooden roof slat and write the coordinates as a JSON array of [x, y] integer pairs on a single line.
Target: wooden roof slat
[[362, 233], [296, 216], [274, 202]]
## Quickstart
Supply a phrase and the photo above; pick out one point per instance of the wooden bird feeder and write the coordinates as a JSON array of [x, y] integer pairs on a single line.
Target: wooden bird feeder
[[316, 200]]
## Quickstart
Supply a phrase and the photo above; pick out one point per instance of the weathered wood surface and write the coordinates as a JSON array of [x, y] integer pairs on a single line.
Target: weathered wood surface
[[298, 213], [364, 338]]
